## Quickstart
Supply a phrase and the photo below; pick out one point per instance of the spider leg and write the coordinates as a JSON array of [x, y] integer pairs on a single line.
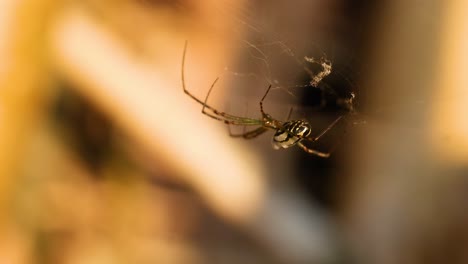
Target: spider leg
[[316, 152], [226, 118], [326, 129], [267, 120], [313, 151], [289, 114], [191, 95], [244, 128], [218, 115], [263, 98], [249, 134]]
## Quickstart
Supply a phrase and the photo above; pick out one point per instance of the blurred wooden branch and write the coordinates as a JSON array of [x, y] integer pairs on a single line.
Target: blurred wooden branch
[[23, 68], [449, 122], [405, 185], [154, 110]]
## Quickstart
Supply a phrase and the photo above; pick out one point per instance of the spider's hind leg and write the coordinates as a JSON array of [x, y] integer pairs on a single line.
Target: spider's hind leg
[[216, 114], [213, 113]]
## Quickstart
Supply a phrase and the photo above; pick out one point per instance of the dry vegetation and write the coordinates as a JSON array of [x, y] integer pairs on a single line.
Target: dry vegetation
[[104, 159]]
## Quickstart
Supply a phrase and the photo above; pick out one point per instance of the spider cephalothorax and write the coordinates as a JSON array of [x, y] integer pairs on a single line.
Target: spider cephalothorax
[[289, 133]]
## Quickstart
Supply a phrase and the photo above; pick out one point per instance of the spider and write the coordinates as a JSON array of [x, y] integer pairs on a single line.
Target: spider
[[287, 134]]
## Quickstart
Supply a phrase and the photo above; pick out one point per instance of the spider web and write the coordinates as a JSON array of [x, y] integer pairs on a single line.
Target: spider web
[[289, 65], [287, 61]]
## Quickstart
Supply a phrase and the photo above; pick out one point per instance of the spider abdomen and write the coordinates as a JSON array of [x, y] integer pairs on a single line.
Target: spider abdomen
[[291, 133]]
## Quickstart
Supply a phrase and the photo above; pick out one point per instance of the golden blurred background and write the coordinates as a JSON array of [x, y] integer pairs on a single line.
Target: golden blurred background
[[104, 159]]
